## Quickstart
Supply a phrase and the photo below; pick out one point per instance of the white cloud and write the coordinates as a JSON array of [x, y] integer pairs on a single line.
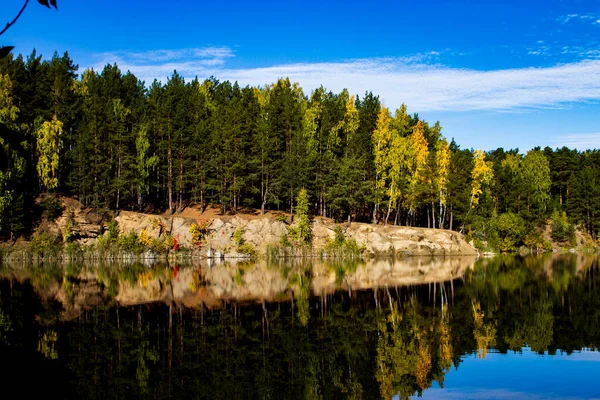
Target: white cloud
[[581, 17], [411, 80], [580, 141]]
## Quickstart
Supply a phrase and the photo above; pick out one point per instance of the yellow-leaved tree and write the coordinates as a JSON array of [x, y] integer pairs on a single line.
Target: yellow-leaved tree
[[481, 175], [442, 168], [382, 138], [418, 175], [48, 147]]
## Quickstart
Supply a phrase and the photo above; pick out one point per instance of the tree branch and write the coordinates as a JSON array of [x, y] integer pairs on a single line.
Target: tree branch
[[9, 24]]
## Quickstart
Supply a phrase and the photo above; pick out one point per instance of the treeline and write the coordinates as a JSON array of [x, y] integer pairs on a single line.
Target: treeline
[[112, 142]]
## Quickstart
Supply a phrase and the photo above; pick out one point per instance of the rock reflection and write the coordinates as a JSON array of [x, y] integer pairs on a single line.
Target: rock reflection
[[309, 330]]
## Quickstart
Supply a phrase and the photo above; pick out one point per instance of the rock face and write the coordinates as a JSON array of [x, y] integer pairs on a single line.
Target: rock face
[[263, 232]]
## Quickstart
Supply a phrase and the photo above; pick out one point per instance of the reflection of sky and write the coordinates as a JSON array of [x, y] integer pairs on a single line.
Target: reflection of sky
[[523, 375]]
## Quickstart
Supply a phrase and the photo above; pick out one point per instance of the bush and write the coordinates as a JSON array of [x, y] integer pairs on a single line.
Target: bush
[[534, 240], [51, 207], [199, 232], [562, 231], [282, 218], [44, 244], [113, 230], [507, 231], [129, 243], [246, 248], [303, 231], [238, 238], [340, 244]]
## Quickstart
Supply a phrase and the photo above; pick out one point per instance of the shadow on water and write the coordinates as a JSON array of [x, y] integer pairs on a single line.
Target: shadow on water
[[290, 330]]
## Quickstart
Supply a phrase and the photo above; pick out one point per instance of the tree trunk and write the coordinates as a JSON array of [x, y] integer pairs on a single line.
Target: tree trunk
[[433, 213], [387, 215], [291, 206], [264, 194], [170, 175], [451, 216], [349, 219], [375, 208]]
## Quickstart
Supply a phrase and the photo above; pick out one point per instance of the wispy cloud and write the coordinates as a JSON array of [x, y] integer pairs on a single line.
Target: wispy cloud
[[580, 141], [414, 80], [167, 60], [564, 19]]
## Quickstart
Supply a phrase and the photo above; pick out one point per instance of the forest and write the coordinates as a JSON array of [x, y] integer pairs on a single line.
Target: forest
[[115, 143]]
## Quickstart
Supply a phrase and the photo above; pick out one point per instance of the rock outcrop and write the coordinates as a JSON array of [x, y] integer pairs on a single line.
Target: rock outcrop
[[263, 232], [260, 232]]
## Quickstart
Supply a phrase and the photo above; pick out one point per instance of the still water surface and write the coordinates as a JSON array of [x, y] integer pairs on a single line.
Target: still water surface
[[506, 327]]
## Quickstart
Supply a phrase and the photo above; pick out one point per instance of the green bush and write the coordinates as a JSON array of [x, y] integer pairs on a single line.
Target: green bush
[[129, 243], [506, 232], [113, 230], [51, 207], [282, 218], [246, 248], [43, 244], [343, 246], [238, 238], [562, 231]]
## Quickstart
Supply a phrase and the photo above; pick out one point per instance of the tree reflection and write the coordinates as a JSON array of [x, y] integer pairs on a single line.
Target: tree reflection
[[378, 343]]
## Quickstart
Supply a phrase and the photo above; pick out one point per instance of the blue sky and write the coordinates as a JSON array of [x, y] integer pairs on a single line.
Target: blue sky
[[524, 375], [495, 74]]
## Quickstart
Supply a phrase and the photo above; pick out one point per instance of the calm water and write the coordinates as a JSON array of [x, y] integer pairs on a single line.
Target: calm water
[[526, 328]]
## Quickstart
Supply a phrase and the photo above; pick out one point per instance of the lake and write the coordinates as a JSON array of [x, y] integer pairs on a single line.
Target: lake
[[499, 328]]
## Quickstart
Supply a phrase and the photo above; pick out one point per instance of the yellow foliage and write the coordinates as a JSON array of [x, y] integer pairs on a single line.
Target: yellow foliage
[[8, 111], [485, 334], [47, 344], [144, 239], [442, 164], [48, 146], [420, 149], [482, 174], [382, 137], [423, 365], [144, 279]]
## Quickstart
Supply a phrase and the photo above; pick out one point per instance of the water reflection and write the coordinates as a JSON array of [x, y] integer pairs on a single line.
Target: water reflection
[[293, 330], [79, 286]]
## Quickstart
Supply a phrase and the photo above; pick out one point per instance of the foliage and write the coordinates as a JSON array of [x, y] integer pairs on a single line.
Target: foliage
[[241, 245], [507, 231], [535, 241], [113, 230], [562, 230], [302, 231], [104, 137], [199, 231], [51, 207], [44, 244], [48, 147], [131, 243], [342, 245]]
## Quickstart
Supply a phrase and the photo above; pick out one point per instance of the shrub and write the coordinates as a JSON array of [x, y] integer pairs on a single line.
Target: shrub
[[238, 238], [282, 218], [562, 231], [130, 243], [44, 244], [510, 229], [113, 230], [246, 248], [285, 240], [51, 207], [340, 244], [534, 240], [199, 231]]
